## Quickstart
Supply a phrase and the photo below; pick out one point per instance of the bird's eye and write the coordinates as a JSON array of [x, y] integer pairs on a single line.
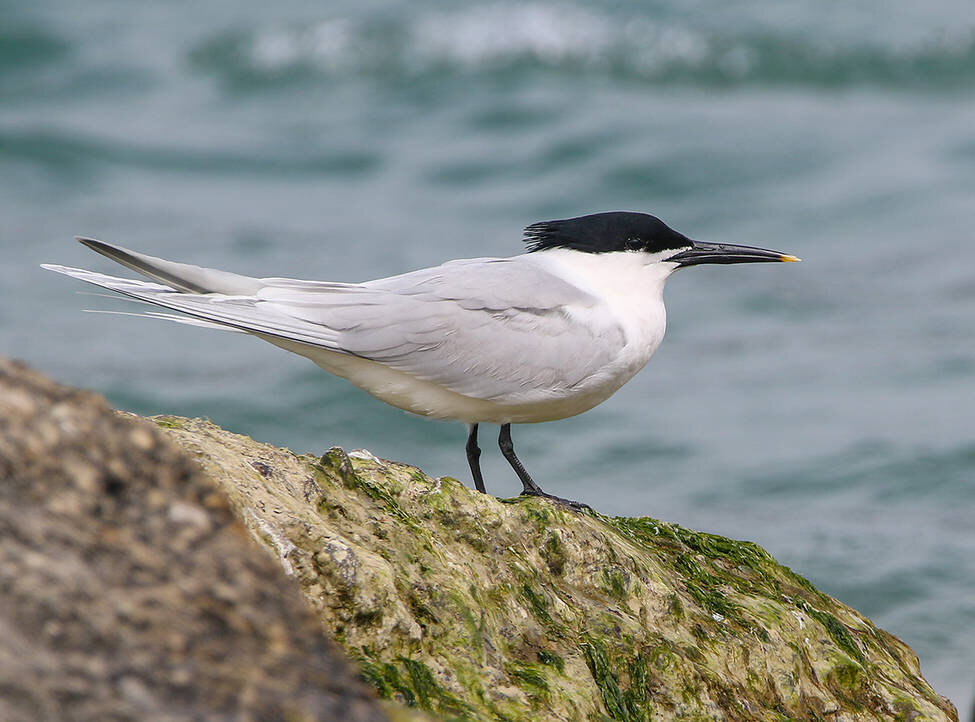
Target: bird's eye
[[633, 244]]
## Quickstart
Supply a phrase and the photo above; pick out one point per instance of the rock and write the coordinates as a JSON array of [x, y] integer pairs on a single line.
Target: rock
[[128, 590], [474, 607]]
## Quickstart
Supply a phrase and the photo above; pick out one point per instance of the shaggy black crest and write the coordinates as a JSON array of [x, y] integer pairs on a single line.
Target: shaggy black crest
[[605, 233]]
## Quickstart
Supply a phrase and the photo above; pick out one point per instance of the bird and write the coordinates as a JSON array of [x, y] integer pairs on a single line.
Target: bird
[[539, 336]]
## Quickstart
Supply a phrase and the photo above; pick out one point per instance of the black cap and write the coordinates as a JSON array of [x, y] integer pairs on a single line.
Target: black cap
[[606, 233]]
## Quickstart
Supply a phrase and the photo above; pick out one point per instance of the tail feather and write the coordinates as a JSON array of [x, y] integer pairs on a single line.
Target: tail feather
[[169, 317], [181, 276], [239, 311]]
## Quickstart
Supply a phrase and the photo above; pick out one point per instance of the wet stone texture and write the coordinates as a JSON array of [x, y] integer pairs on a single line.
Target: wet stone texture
[[128, 589], [478, 608]]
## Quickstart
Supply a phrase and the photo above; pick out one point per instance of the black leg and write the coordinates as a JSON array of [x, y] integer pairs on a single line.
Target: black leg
[[530, 487], [474, 457], [508, 449]]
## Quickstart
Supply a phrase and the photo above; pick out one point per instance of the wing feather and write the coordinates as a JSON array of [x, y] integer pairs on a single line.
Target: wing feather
[[494, 329], [488, 328]]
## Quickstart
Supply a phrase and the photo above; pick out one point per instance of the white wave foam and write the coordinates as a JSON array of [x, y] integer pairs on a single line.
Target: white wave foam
[[489, 36], [491, 33], [327, 45], [479, 37]]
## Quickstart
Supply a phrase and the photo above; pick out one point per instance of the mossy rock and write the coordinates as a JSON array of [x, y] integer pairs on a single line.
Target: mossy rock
[[472, 607]]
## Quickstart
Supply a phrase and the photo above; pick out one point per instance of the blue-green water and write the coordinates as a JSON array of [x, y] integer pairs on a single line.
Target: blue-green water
[[825, 410]]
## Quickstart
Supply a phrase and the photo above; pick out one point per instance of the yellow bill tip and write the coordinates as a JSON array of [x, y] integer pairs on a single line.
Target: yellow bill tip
[[788, 258]]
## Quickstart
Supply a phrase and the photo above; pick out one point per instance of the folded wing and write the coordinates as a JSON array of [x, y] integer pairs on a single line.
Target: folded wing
[[493, 329]]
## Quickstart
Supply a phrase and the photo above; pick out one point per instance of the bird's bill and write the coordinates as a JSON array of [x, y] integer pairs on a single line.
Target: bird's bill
[[702, 252]]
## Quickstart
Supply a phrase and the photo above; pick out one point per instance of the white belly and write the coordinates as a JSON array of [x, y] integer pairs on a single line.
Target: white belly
[[429, 399]]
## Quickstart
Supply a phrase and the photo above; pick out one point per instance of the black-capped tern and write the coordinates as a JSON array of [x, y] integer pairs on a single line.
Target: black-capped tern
[[535, 337]]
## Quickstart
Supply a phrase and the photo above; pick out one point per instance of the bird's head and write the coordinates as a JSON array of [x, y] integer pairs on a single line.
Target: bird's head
[[628, 232]]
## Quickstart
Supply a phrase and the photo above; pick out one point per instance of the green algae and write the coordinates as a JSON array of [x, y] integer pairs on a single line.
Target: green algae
[[675, 606], [615, 583], [705, 587], [386, 679], [767, 575], [537, 603], [473, 623], [625, 705], [848, 681], [551, 659], [905, 709], [531, 676], [839, 633], [413, 682], [553, 553], [337, 460], [368, 617]]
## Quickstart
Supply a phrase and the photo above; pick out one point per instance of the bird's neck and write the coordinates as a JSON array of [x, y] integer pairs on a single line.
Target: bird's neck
[[629, 284], [629, 278]]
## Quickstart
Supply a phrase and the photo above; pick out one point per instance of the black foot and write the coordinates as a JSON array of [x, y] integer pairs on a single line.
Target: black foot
[[558, 500]]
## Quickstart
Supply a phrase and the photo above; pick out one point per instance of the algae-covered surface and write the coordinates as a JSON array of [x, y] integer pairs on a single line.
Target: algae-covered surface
[[472, 607]]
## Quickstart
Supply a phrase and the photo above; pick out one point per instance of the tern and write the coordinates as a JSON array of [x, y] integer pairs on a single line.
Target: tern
[[535, 337]]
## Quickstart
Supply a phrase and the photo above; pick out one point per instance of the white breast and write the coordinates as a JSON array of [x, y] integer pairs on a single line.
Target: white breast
[[631, 285]]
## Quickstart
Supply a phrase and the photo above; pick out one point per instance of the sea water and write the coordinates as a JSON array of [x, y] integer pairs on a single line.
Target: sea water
[[825, 410]]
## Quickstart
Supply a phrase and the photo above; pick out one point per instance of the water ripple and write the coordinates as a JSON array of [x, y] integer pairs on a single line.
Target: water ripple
[[72, 153]]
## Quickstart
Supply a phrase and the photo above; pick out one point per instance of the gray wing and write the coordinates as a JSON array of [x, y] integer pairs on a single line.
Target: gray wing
[[487, 328], [490, 328]]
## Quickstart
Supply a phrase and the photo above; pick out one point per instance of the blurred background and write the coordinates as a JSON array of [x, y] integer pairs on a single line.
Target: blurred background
[[824, 410]]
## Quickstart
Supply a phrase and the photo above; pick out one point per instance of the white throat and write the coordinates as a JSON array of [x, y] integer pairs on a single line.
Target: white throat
[[627, 281], [629, 284]]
